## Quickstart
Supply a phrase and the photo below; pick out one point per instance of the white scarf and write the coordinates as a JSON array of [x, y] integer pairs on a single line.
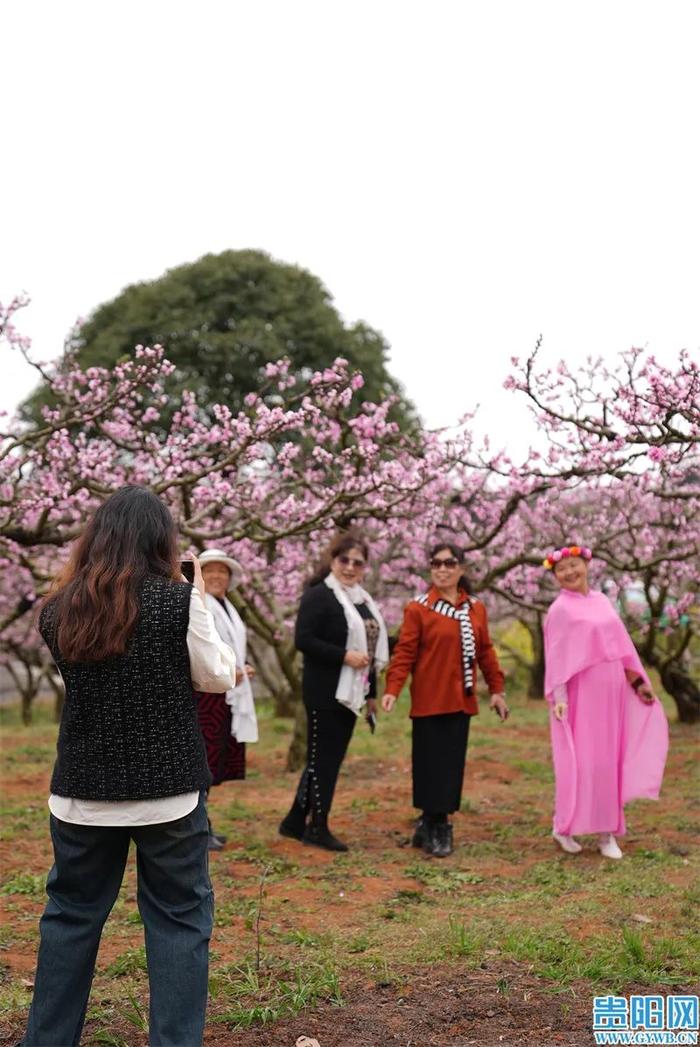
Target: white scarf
[[244, 723], [353, 684]]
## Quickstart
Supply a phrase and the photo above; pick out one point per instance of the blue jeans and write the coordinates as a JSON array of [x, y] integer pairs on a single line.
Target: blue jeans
[[175, 900]]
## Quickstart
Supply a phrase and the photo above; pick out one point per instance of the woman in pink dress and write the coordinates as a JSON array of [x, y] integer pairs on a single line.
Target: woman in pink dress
[[609, 731]]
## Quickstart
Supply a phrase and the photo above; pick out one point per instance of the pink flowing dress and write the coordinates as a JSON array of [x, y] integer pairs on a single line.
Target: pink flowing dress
[[610, 747]]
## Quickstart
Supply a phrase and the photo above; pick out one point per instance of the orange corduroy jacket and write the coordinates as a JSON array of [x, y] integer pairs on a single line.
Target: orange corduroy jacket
[[429, 648]]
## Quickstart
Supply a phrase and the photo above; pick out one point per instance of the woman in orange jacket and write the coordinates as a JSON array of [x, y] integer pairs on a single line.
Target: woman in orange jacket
[[444, 635]]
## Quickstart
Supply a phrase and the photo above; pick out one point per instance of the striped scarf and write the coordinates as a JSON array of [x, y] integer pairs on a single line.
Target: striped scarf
[[466, 635]]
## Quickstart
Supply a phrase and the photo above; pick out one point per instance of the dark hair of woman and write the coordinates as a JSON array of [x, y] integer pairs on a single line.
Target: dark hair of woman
[[440, 547], [342, 543], [96, 596]]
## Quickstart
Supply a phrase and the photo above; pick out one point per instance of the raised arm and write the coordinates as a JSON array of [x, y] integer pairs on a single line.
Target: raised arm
[[212, 662]]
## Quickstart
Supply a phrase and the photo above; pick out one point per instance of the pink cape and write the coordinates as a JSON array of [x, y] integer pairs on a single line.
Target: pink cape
[[611, 747]]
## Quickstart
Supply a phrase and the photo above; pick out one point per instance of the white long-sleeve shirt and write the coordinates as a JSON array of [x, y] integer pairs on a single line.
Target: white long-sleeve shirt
[[212, 668]]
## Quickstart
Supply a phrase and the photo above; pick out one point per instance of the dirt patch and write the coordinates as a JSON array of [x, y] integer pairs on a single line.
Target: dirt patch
[[437, 1008], [386, 906], [440, 1008]]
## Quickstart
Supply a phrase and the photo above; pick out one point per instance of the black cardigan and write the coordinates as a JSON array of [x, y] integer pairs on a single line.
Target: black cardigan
[[129, 727], [321, 635]]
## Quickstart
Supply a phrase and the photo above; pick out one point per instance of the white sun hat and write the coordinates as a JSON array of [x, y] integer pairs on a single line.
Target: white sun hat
[[219, 556]]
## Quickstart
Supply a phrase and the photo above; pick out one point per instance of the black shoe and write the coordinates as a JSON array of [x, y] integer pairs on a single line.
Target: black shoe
[[419, 833], [290, 829], [321, 836], [442, 840], [294, 823], [429, 837], [215, 843]]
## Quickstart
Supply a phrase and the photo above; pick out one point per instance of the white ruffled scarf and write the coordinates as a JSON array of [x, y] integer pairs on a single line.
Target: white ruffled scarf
[[353, 684], [244, 722]]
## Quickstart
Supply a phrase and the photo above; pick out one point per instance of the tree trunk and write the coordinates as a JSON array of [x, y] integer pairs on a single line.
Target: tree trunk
[[269, 674], [284, 704], [683, 689], [27, 690], [27, 699], [535, 686], [283, 679], [296, 757]]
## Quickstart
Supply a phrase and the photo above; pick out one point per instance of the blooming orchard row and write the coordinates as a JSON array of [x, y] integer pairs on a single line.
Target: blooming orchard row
[[274, 480]]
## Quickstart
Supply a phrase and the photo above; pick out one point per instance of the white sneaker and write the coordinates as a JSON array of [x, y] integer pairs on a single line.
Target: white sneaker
[[567, 843], [608, 846]]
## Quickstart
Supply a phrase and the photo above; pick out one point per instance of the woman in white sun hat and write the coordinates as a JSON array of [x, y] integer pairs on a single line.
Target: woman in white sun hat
[[227, 721]]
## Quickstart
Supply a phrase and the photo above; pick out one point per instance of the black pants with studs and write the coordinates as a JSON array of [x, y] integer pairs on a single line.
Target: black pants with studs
[[328, 735]]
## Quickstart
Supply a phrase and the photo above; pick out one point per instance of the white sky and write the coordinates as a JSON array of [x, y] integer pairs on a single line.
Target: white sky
[[461, 175]]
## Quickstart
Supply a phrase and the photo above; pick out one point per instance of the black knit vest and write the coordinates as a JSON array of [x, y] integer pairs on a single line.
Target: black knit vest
[[129, 728]]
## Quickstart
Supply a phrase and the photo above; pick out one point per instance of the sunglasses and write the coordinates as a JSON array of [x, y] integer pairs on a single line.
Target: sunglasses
[[449, 562], [350, 561]]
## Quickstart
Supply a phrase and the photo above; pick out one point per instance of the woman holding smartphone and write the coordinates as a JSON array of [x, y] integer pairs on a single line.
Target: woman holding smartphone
[[130, 637], [343, 638]]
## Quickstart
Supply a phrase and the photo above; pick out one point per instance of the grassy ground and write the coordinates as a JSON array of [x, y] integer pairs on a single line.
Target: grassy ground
[[506, 937]]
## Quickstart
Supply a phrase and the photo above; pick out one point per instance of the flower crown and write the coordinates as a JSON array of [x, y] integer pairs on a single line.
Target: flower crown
[[561, 554]]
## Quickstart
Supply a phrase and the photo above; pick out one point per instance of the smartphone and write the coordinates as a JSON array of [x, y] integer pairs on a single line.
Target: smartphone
[[372, 721], [187, 568]]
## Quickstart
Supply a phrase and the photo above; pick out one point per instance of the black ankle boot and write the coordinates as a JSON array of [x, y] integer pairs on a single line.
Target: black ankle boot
[[429, 836], [442, 844], [294, 823], [419, 833], [318, 834]]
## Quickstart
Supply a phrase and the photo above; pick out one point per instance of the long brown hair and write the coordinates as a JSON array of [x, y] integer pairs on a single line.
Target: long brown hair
[[95, 599], [342, 543]]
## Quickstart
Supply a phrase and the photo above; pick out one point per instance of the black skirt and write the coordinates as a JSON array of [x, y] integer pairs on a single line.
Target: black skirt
[[439, 752]]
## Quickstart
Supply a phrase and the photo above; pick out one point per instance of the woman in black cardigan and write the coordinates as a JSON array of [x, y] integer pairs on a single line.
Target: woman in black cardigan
[[342, 636], [130, 637]]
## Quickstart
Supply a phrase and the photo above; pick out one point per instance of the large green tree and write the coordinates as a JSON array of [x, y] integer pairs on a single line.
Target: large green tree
[[221, 319]]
